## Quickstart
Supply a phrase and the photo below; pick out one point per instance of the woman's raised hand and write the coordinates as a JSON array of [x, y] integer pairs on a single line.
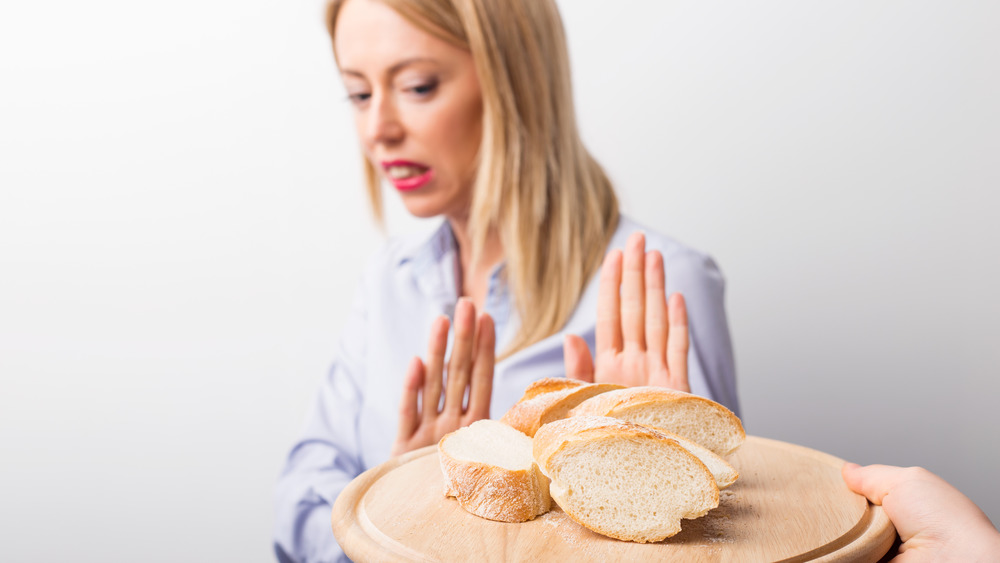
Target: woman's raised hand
[[470, 373], [641, 338]]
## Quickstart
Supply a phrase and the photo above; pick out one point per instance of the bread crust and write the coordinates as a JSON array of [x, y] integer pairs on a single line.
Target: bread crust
[[548, 385], [558, 436], [614, 403], [550, 399], [494, 492]]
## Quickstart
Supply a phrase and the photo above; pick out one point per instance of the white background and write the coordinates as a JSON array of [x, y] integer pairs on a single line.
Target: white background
[[182, 223]]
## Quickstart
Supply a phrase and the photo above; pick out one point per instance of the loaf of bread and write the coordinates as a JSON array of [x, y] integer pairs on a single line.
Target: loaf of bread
[[488, 467], [623, 480], [550, 399], [698, 419]]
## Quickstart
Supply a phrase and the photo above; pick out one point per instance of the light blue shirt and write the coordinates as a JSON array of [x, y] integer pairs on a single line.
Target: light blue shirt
[[354, 419]]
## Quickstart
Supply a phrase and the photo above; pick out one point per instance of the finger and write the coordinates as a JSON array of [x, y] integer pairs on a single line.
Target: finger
[[657, 324], [481, 385], [435, 364], [609, 325], [873, 481], [576, 357], [678, 343], [461, 356], [409, 416], [633, 292]]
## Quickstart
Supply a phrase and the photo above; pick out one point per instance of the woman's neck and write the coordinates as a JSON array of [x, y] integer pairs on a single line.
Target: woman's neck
[[474, 281]]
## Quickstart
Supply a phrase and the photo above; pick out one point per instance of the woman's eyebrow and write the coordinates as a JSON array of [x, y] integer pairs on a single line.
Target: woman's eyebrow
[[394, 68]]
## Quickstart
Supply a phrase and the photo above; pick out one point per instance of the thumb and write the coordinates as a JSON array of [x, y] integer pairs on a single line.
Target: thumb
[[576, 357], [873, 481]]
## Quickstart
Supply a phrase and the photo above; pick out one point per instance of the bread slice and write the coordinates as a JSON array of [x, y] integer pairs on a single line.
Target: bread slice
[[724, 473], [488, 467], [550, 399], [696, 418], [623, 480]]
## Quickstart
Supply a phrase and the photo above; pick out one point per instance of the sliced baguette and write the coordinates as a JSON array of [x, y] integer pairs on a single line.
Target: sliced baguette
[[623, 480], [724, 473], [696, 418], [488, 467], [550, 399]]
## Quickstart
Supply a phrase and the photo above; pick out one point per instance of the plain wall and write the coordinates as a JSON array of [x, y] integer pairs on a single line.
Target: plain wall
[[182, 223]]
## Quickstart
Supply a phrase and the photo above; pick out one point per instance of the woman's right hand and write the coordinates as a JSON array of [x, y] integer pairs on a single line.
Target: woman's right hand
[[470, 372]]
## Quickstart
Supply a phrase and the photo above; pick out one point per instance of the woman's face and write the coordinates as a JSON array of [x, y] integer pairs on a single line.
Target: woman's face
[[417, 106]]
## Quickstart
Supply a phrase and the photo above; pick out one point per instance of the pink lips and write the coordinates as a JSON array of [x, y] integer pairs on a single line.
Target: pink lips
[[411, 183]]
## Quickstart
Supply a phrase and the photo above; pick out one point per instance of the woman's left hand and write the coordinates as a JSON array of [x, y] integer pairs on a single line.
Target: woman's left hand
[[641, 338]]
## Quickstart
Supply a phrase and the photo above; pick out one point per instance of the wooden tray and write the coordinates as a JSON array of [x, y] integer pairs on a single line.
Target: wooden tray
[[789, 504]]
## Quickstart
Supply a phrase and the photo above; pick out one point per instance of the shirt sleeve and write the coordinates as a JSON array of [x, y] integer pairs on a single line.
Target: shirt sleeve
[[326, 457], [711, 367]]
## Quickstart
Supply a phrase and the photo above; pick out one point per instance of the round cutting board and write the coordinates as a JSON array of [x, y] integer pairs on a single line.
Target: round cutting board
[[789, 504]]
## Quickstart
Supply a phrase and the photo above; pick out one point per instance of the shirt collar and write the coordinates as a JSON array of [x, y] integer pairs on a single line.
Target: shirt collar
[[431, 250], [434, 263]]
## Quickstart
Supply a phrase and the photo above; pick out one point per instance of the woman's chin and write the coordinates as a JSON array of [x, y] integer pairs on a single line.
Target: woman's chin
[[426, 203], [422, 211], [423, 207]]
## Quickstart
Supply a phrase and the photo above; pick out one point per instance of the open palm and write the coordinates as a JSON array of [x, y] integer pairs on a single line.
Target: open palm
[[430, 409], [641, 338]]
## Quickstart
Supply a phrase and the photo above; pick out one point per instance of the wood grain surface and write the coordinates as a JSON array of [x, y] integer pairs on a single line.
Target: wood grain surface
[[789, 504]]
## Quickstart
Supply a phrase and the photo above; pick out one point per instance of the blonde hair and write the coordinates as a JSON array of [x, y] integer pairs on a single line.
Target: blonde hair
[[537, 186]]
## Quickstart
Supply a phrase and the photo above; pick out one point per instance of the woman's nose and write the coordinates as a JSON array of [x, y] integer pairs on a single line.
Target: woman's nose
[[382, 124]]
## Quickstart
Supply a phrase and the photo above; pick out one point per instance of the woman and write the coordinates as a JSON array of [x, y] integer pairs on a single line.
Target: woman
[[465, 107]]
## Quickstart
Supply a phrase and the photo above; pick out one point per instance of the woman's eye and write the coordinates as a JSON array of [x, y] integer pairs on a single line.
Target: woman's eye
[[359, 97], [424, 89]]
